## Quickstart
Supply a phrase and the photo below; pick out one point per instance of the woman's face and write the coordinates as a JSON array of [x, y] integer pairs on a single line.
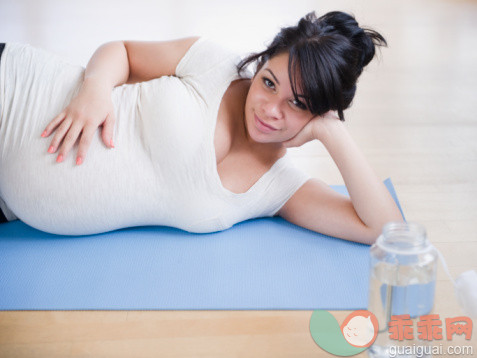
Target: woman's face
[[272, 115]]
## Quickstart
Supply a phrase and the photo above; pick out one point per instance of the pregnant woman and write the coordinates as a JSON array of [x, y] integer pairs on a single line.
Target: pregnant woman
[[199, 144]]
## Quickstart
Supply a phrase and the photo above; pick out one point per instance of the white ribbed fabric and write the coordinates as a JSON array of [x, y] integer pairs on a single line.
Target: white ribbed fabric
[[163, 168]]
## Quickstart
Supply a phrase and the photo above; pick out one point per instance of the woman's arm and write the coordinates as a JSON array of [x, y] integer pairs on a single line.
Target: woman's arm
[[112, 64], [119, 62], [153, 59], [318, 207]]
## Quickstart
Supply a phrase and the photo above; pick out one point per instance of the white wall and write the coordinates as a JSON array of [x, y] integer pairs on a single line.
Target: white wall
[[76, 28]]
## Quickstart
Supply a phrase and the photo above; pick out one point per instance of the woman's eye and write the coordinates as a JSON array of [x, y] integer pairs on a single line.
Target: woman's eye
[[299, 104], [268, 83]]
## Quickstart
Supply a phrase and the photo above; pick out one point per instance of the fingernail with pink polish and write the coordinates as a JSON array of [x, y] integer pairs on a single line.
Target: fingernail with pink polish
[[51, 149], [79, 160], [59, 159], [44, 133]]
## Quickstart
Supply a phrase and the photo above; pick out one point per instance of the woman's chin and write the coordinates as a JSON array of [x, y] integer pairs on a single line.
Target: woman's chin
[[260, 138], [256, 136]]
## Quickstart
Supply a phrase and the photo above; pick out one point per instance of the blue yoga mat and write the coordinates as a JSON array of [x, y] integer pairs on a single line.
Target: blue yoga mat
[[259, 264]]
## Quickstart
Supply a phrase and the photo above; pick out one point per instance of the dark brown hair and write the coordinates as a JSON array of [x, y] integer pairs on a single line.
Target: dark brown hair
[[329, 52]]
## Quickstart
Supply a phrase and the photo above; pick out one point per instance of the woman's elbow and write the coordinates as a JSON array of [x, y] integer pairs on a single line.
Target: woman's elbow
[[376, 230]]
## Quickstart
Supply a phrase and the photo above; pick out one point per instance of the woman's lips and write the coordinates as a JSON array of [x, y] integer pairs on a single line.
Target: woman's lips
[[263, 127]]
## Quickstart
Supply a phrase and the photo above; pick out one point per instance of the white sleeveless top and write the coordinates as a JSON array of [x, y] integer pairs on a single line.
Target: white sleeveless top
[[162, 170]]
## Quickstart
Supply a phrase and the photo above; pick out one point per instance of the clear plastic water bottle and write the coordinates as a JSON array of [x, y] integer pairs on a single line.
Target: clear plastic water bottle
[[402, 281]]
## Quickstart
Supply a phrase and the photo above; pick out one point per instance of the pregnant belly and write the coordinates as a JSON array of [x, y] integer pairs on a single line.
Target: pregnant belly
[[111, 190]]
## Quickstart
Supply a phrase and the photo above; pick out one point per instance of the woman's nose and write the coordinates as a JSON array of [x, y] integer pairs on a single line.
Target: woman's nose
[[273, 110]]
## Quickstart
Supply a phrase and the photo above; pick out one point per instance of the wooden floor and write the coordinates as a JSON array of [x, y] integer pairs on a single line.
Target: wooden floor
[[415, 116]]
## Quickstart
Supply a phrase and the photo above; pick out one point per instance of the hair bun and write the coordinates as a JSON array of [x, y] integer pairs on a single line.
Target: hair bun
[[326, 57], [364, 39]]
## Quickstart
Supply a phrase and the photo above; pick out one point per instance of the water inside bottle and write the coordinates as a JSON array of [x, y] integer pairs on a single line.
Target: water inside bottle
[[399, 290]]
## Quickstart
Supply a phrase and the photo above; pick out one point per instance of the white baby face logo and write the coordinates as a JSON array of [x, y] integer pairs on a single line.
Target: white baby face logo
[[359, 331]]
